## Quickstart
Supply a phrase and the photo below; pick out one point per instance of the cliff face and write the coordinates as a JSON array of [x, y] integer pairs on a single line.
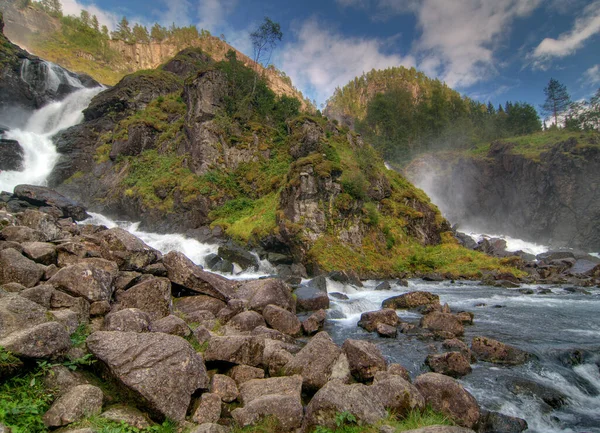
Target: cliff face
[[553, 199]]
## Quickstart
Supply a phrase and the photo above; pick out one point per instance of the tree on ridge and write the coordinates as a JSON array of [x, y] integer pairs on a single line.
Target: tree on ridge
[[557, 101]]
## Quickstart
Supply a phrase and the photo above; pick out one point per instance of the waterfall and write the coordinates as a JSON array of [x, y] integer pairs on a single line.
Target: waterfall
[[46, 77]]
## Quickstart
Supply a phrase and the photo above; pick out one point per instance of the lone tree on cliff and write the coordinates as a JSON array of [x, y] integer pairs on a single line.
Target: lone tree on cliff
[[264, 39], [557, 99]]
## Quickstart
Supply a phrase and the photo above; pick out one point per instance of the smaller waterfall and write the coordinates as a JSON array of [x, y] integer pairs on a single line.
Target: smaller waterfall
[[47, 77]]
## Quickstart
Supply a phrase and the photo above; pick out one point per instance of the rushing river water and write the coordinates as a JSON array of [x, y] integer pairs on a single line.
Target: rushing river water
[[550, 325]]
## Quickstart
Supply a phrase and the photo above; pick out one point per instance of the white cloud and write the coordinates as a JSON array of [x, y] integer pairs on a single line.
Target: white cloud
[[178, 12], [73, 7], [322, 60], [212, 13], [592, 75], [585, 26]]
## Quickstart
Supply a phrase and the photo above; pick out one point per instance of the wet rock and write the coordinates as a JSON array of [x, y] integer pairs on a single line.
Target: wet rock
[[456, 345], [578, 290], [225, 387], [453, 364], [260, 293], [128, 320], [152, 296], [282, 320], [387, 331], [236, 254], [129, 252], [314, 323], [77, 403], [490, 350], [209, 409], [335, 397], [246, 350], [171, 325], [162, 369], [385, 285], [465, 317], [319, 282], [315, 362], [41, 196], [184, 272], [411, 300], [246, 321], [446, 395], [494, 422], [45, 340], [346, 277], [585, 268], [397, 394], [91, 279], [364, 359], [15, 268], [442, 322], [11, 155], [244, 373], [339, 296], [311, 299], [551, 396], [371, 319]]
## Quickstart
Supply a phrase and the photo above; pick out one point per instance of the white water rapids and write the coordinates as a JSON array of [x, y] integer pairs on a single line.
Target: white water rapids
[[541, 324]]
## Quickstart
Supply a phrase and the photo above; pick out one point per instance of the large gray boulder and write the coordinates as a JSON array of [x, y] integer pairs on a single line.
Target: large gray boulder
[[443, 322], [490, 350], [42, 196], [246, 321], [311, 299], [76, 404], [236, 349], [411, 300], [152, 296], [163, 370], [17, 312], [364, 358], [190, 304], [447, 396], [397, 394], [40, 252], [127, 320], [282, 320], [45, 340], [370, 319], [260, 293], [453, 364], [129, 252], [91, 279], [256, 388], [16, 268], [182, 271]]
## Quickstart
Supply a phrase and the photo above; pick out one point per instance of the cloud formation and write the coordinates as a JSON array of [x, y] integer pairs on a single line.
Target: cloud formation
[[585, 26], [322, 59], [213, 13], [73, 7], [592, 75]]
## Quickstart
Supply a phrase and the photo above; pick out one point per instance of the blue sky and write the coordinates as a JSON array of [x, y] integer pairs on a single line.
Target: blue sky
[[490, 50]]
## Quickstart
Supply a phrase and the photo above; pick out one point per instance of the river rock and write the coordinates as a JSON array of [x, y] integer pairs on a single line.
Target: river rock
[[397, 394], [286, 410], [311, 299], [371, 319], [91, 279], [184, 272], [45, 340], [282, 320], [388, 331], [446, 395], [364, 359], [225, 387], [189, 304], [237, 349], [260, 293], [17, 312], [41, 196], [399, 370], [42, 222], [315, 362], [444, 322], [456, 345], [336, 397], [453, 364], [152, 296], [236, 254], [171, 325], [129, 252], [78, 403], [15, 268], [11, 155], [257, 388], [314, 323], [21, 234], [244, 373], [128, 320], [411, 300], [209, 409], [490, 350], [40, 252], [494, 422], [549, 395], [246, 321], [385, 285], [164, 370], [346, 277], [319, 282]]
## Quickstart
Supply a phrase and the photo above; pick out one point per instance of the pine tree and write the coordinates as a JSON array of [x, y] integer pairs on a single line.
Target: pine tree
[[84, 16], [158, 32], [140, 34], [123, 31], [557, 99], [95, 23]]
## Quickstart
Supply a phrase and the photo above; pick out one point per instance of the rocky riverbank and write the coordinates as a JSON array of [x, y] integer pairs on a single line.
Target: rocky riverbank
[[179, 343]]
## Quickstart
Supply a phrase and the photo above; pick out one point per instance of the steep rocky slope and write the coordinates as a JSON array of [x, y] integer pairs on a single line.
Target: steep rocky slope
[[551, 196]]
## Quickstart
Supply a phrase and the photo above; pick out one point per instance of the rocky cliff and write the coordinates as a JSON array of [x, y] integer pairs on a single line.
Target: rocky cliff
[[552, 198]]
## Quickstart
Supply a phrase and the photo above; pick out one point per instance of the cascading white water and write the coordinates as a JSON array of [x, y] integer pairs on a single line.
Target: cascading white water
[[47, 76], [35, 138]]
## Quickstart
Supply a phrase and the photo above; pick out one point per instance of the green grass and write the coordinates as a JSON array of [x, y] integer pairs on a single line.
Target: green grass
[[80, 335], [103, 425]]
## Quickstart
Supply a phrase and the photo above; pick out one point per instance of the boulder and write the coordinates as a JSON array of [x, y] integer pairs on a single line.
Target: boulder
[[209, 409], [171, 325], [447, 396], [444, 322], [456, 345], [286, 410], [260, 293], [399, 370], [243, 373], [11, 155], [128, 415], [183, 272], [41, 222], [465, 317], [76, 404], [311, 299], [257, 388], [225, 387], [15, 268], [364, 358], [272, 334], [335, 397], [388, 331], [411, 300], [371, 319], [163, 370], [385, 285], [346, 277], [237, 349], [246, 321], [397, 394], [152, 296], [189, 304], [237, 254], [18, 312], [41, 196], [91, 279], [314, 323], [319, 282], [315, 362], [453, 364], [282, 320], [549, 395], [128, 320], [40, 252], [490, 350], [129, 252], [60, 379], [22, 234], [494, 422], [276, 357], [45, 340]]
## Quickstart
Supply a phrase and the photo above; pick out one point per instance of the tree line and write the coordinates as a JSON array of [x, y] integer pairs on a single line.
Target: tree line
[[583, 115]]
